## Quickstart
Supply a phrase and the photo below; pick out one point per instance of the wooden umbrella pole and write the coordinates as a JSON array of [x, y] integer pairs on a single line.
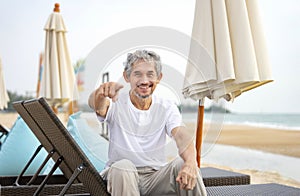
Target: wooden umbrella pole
[[55, 109], [39, 76], [199, 132]]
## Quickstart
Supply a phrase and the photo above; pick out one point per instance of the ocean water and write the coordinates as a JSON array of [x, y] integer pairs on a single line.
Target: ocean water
[[282, 121]]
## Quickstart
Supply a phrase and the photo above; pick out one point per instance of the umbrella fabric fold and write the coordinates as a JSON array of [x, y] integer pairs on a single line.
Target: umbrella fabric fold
[[4, 98], [231, 34], [58, 81]]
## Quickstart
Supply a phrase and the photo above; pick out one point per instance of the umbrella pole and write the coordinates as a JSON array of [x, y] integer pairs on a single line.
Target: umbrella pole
[[199, 131], [73, 107], [39, 76], [70, 108], [54, 108]]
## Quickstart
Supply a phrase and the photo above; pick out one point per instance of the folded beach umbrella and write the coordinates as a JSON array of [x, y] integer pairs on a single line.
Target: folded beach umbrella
[[228, 54], [58, 84], [4, 99]]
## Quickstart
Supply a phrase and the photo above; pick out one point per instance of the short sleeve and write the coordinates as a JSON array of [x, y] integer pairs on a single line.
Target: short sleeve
[[174, 119]]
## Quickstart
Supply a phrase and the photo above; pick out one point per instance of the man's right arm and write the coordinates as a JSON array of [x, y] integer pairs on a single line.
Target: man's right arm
[[98, 99], [99, 103]]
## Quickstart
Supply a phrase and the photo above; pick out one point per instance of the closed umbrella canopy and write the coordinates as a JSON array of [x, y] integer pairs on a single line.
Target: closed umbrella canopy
[[4, 99], [228, 54], [58, 79], [231, 34]]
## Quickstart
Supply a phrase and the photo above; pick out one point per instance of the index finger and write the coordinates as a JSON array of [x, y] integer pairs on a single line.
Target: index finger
[[118, 86]]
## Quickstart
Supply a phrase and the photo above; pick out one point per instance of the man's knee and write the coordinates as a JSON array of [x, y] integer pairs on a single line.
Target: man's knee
[[123, 178], [124, 168]]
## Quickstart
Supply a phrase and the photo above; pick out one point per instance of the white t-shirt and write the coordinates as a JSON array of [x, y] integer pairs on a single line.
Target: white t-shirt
[[140, 135]]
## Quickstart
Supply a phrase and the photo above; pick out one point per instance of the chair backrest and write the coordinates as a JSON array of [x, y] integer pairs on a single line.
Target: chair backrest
[[19, 107], [53, 135]]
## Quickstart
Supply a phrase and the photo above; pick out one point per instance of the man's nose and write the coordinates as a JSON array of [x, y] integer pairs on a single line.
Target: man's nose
[[144, 79]]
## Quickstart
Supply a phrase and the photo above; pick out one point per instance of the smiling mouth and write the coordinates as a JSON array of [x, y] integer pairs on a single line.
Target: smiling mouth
[[143, 91], [144, 86]]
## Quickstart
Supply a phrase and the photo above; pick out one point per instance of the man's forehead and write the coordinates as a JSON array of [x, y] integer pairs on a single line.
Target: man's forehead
[[144, 64]]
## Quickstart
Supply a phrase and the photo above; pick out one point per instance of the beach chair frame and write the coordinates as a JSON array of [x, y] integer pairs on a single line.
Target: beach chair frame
[[34, 184], [53, 135], [3, 133]]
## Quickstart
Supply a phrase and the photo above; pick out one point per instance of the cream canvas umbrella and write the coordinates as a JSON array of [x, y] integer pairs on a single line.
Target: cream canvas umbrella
[[4, 99], [228, 53], [58, 83]]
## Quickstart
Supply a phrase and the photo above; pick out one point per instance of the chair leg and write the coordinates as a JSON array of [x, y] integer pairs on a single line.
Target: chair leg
[[40, 188], [72, 178], [34, 177], [28, 164]]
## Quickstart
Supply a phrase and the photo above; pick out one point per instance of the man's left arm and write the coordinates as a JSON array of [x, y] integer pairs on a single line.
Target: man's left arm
[[187, 176]]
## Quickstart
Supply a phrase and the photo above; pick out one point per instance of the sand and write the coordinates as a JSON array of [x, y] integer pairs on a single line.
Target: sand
[[8, 119], [278, 141]]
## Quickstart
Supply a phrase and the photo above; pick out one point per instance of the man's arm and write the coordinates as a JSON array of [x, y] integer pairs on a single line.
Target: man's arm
[[187, 176], [98, 99]]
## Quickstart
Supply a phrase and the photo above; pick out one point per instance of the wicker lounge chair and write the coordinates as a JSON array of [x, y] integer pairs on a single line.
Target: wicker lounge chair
[[271, 189], [28, 185], [78, 169], [219, 177], [61, 147], [3, 133]]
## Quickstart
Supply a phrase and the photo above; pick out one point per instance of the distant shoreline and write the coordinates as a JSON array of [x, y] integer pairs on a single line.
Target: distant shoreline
[[274, 121]]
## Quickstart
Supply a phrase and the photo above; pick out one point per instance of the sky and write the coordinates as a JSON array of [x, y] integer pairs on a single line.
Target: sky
[[90, 22]]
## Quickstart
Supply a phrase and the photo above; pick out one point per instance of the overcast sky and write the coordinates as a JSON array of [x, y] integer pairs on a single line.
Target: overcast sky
[[90, 22]]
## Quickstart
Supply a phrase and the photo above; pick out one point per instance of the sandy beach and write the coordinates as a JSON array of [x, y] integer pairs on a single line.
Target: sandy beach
[[277, 141]]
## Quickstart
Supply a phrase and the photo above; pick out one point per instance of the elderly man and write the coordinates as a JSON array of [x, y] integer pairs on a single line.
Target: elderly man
[[139, 123]]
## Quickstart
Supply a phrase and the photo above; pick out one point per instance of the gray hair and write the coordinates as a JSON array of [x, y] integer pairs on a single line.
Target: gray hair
[[147, 56]]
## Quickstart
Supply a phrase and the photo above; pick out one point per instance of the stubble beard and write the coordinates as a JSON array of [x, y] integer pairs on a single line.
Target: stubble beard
[[143, 96]]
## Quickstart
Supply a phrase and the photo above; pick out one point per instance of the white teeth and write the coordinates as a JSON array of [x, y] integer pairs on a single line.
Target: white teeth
[[144, 86]]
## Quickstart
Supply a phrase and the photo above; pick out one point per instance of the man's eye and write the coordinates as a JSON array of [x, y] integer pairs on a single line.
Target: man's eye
[[151, 75]]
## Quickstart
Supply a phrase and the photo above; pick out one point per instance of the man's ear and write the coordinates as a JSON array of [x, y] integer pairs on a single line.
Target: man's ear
[[160, 77], [125, 76]]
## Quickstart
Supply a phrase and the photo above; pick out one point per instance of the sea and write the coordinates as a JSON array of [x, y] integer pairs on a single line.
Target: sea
[[280, 121]]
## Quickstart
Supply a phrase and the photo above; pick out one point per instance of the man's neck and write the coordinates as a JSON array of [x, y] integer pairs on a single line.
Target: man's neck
[[141, 103]]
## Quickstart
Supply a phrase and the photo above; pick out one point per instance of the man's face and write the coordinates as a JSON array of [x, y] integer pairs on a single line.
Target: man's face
[[143, 79]]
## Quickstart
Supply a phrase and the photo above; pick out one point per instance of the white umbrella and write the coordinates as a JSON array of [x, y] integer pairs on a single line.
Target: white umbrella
[[58, 83], [4, 99], [230, 33]]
